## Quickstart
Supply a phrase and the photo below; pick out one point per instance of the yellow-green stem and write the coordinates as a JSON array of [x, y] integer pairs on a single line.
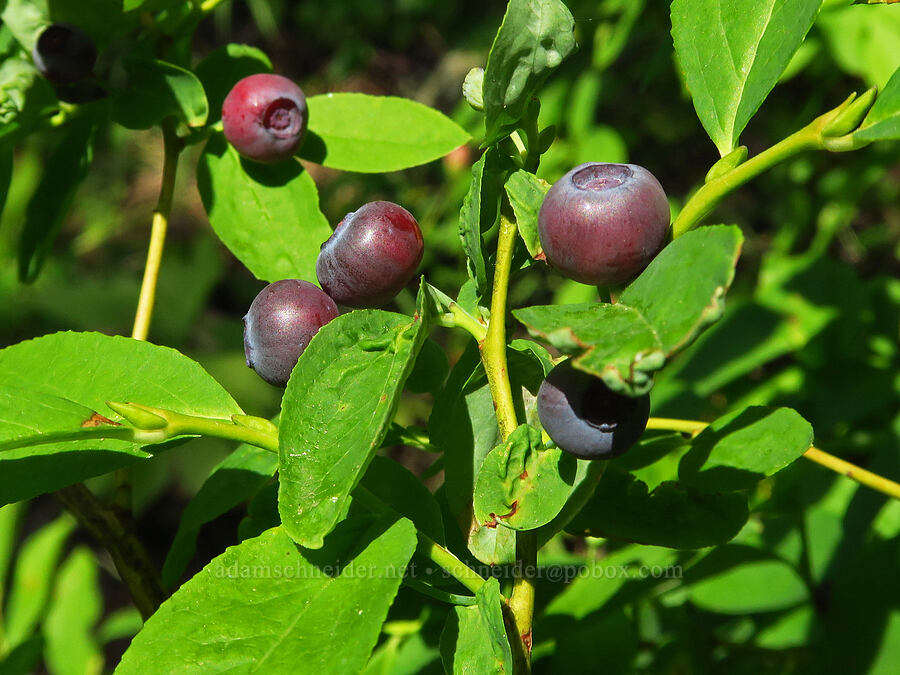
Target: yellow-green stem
[[829, 461], [171, 150], [814, 136], [493, 348], [454, 566], [493, 355]]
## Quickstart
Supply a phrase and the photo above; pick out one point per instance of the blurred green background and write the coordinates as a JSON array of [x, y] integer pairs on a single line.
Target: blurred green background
[[813, 319]]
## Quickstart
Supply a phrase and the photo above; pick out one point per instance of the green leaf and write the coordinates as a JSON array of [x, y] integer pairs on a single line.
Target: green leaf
[[862, 41], [235, 480], [405, 655], [88, 369], [430, 371], [521, 485], [25, 97], [474, 638], [267, 215], [75, 608], [480, 212], [613, 342], [732, 54], [883, 120], [534, 38], [738, 580], [526, 194], [221, 70], [25, 20], [683, 288], [670, 515], [463, 424], [64, 171], [339, 402], [375, 134], [397, 487], [156, 90], [33, 578], [738, 450], [791, 630], [10, 518], [277, 607]]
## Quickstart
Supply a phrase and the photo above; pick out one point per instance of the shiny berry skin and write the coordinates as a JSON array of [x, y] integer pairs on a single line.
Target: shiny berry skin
[[264, 117], [282, 320], [372, 254], [602, 224], [586, 418], [64, 54]]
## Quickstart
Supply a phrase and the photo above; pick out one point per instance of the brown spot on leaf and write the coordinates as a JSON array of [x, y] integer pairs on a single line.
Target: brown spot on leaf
[[98, 420], [512, 511], [492, 523], [523, 475], [383, 398]]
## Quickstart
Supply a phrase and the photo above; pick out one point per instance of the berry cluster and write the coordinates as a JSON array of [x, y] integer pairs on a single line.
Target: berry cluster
[[600, 224]]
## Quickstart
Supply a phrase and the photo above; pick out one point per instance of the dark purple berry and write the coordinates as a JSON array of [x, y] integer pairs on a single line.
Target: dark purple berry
[[64, 54], [586, 418], [372, 254], [264, 117], [282, 320], [602, 224]]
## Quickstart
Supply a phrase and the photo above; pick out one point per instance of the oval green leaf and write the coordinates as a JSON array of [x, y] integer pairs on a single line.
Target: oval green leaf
[[521, 485], [613, 342], [670, 515], [474, 638], [737, 451], [534, 38], [274, 606], [339, 402], [374, 134], [735, 580], [732, 54], [267, 215], [683, 290], [56, 381]]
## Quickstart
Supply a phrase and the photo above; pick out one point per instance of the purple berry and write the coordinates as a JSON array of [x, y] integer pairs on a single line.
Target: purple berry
[[602, 224], [64, 54], [282, 320], [371, 255], [586, 418], [264, 117]]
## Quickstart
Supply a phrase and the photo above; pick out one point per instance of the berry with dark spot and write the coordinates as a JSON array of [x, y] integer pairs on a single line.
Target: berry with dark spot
[[64, 54], [279, 325], [586, 418], [264, 117], [371, 255], [602, 224]]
